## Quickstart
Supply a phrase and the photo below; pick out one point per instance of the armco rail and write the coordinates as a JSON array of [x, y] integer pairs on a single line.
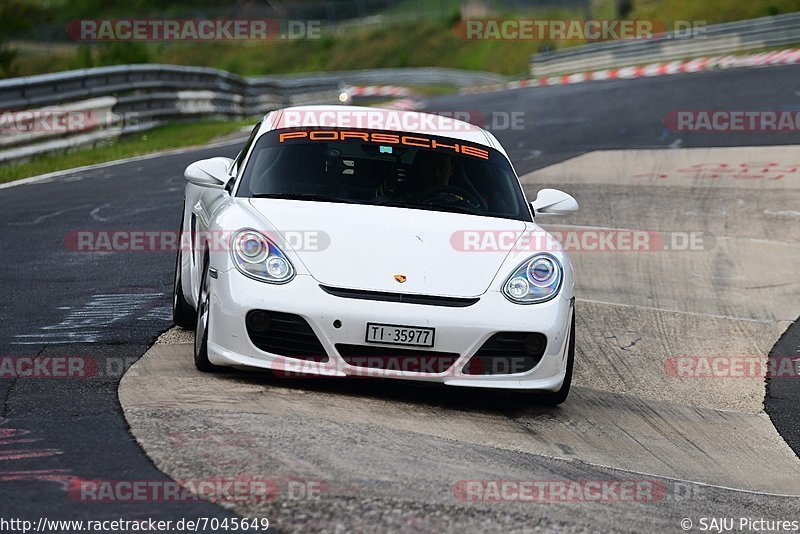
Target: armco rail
[[136, 97], [716, 39]]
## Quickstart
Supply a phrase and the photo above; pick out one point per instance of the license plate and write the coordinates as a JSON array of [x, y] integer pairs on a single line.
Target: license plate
[[396, 334]]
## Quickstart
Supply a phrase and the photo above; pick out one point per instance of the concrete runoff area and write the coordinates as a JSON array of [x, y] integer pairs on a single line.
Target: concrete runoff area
[[629, 416]]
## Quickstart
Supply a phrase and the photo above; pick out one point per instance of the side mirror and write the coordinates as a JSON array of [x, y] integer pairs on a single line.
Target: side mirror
[[554, 202], [209, 172]]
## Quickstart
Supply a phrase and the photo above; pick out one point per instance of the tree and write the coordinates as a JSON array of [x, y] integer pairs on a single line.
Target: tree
[[624, 8], [7, 59]]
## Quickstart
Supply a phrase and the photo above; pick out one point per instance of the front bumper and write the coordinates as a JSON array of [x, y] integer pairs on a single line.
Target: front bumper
[[458, 330]]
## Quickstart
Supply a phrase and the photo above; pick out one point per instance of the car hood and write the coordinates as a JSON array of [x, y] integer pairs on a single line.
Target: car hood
[[364, 247]]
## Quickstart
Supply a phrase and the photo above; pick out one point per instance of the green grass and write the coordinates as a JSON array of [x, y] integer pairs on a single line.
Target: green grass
[[428, 42], [433, 90], [419, 44], [157, 139], [712, 11]]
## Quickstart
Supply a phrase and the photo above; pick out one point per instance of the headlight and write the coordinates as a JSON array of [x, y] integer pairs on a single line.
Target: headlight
[[258, 257], [538, 279]]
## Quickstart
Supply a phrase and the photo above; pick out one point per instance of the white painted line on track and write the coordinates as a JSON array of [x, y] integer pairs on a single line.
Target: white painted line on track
[[672, 479], [87, 323], [652, 308], [547, 225]]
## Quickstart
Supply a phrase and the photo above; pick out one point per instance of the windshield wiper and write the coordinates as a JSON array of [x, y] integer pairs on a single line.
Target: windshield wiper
[[304, 196], [457, 209], [429, 206]]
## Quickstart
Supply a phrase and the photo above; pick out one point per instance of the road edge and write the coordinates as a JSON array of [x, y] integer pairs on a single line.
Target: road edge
[[94, 166], [782, 397]]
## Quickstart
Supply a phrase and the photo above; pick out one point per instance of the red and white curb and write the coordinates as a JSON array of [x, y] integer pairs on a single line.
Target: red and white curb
[[404, 104], [780, 57], [378, 90], [403, 98]]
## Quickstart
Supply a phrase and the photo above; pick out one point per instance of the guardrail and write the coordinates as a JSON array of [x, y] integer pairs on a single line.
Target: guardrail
[[716, 39], [138, 97]]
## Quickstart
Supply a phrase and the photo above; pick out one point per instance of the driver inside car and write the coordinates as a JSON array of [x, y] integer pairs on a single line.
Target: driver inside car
[[431, 171]]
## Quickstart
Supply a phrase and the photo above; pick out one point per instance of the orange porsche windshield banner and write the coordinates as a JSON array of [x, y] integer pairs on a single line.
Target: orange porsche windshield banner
[[389, 139]]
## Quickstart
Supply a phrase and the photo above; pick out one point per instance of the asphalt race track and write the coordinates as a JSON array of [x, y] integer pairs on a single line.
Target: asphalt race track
[[398, 455]]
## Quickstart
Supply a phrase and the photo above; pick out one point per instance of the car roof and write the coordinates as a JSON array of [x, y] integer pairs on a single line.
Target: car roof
[[335, 116]]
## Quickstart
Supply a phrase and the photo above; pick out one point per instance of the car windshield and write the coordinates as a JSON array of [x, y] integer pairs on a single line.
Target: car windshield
[[416, 171]]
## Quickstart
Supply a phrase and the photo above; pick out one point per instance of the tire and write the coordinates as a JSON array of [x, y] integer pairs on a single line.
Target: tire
[[554, 398], [201, 360], [183, 313]]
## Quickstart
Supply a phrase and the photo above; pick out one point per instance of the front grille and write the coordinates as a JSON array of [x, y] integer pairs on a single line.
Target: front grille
[[408, 298], [507, 353], [392, 359], [285, 334]]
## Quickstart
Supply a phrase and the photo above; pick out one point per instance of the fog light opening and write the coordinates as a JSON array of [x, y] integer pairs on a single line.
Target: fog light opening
[[258, 321], [534, 344]]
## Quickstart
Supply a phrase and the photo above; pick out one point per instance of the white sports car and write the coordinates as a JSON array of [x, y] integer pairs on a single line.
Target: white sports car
[[355, 241]]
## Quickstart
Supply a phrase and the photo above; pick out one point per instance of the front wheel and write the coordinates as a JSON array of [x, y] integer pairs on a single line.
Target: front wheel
[[554, 398], [201, 360]]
